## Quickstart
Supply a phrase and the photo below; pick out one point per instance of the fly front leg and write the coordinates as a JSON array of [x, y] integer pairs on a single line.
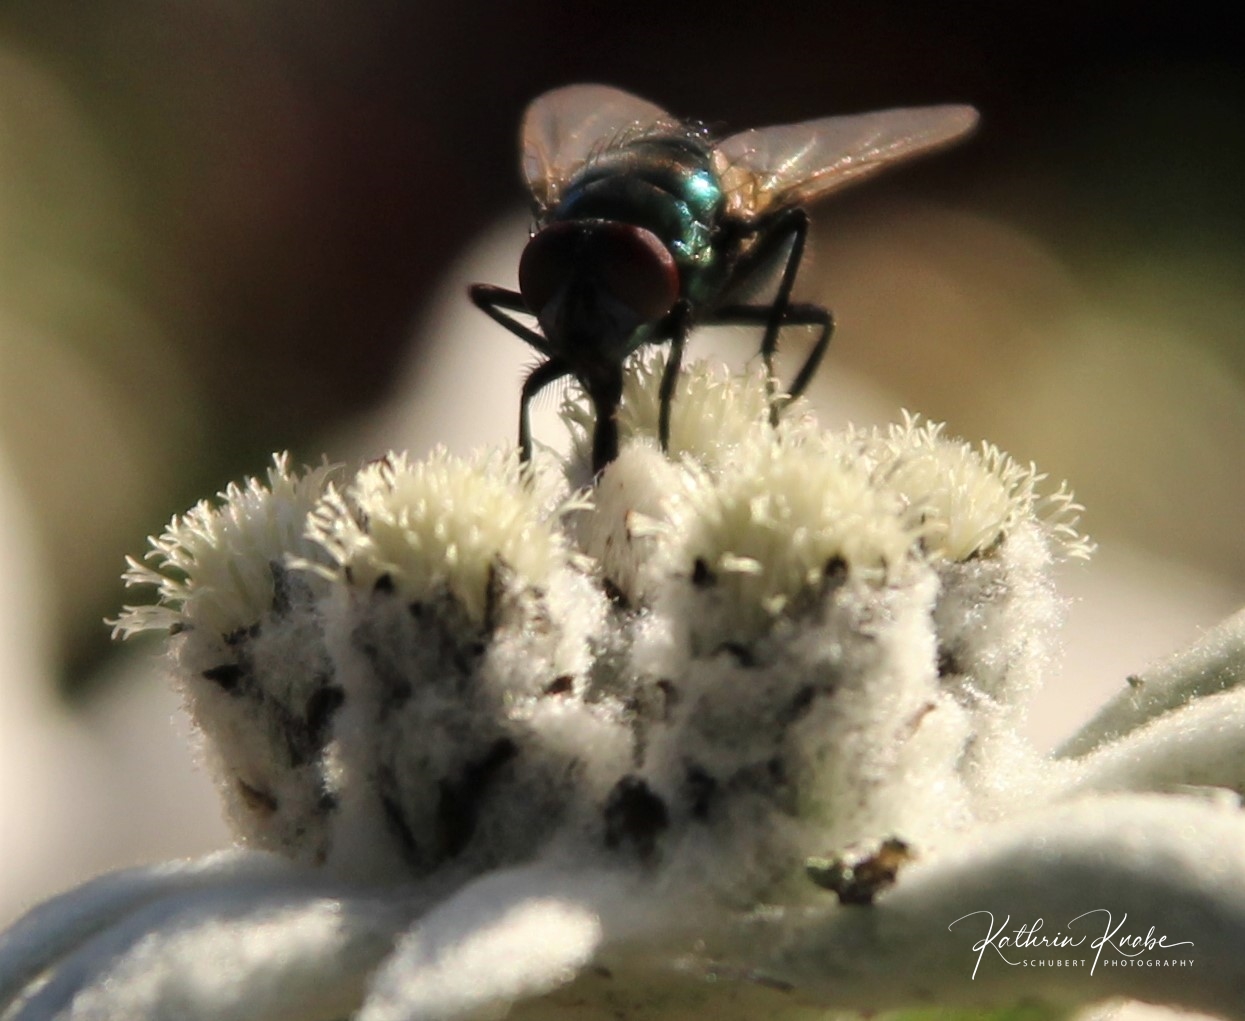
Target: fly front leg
[[605, 392], [670, 377], [539, 378], [497, 303]]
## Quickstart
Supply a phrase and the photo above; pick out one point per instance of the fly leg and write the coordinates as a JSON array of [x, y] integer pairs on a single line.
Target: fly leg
[[497, 303], [670, 377], [786, 230], [539, 378], [796, 315], [605, 391]]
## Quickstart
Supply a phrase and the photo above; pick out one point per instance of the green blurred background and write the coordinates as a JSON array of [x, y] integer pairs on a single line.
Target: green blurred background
[[219, 222]]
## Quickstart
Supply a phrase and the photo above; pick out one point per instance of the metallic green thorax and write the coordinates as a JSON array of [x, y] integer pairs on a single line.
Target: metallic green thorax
[[665, 185]]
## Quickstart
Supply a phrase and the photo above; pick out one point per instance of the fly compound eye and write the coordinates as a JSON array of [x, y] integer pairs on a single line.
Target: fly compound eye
[[625, 262], [636, 268], [547, 264]]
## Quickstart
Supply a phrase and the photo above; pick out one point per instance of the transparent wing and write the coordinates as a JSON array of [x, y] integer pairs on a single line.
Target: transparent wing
[[563, 128], [796, 163]]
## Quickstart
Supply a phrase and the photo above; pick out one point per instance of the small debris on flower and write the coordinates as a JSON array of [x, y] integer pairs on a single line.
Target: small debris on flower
[[857, 877]]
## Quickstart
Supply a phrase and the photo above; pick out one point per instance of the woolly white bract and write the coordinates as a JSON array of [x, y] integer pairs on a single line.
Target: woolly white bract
[[732, 732]]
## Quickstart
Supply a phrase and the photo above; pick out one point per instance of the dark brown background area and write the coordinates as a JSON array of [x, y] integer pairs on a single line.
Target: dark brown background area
[[286, 181]]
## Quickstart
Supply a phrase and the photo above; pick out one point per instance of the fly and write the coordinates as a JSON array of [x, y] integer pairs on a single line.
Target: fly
[[647, 225]]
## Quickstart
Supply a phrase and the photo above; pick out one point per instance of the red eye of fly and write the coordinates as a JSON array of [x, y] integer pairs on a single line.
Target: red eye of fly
[[627, 262]]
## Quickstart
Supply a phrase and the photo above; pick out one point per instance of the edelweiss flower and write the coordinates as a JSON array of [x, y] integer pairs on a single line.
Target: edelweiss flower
[[733, 733]]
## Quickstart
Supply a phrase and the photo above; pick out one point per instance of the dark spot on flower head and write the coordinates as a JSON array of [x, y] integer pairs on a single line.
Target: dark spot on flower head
[[670, 696], [241, 636], [458, 809], [802, 703], [989, 549], [282, 597], [494, 591], [742, 654], [383, 584], [702, 577], [702, 790], [508, 593], [913, 723], [259, 801], [770, 778], [636, 816], [227, 676], [615, 594], [321, 707], [178, 627], [395, 820], [776, 770], [948, 663], [834, 573], [1135, 682], [560, 685], [307, 733]]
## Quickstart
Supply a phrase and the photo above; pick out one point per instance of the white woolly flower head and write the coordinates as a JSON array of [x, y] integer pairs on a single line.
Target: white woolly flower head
[[733, 733], [212, 566], [440, 522], [437, 646], [965, 499], [785, 520]]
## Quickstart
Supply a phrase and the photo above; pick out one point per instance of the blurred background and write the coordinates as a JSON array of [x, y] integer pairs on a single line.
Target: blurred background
[[229, 228]]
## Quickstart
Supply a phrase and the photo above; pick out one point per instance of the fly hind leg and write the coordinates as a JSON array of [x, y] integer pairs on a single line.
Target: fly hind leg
[[799, 315], [785, 231]]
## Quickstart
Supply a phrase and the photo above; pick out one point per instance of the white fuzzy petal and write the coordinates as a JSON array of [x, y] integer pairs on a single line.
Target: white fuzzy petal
[[1214, 663], [512, 935], [1199, 745], [298, 949], [64, 923], [1172, 863]]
